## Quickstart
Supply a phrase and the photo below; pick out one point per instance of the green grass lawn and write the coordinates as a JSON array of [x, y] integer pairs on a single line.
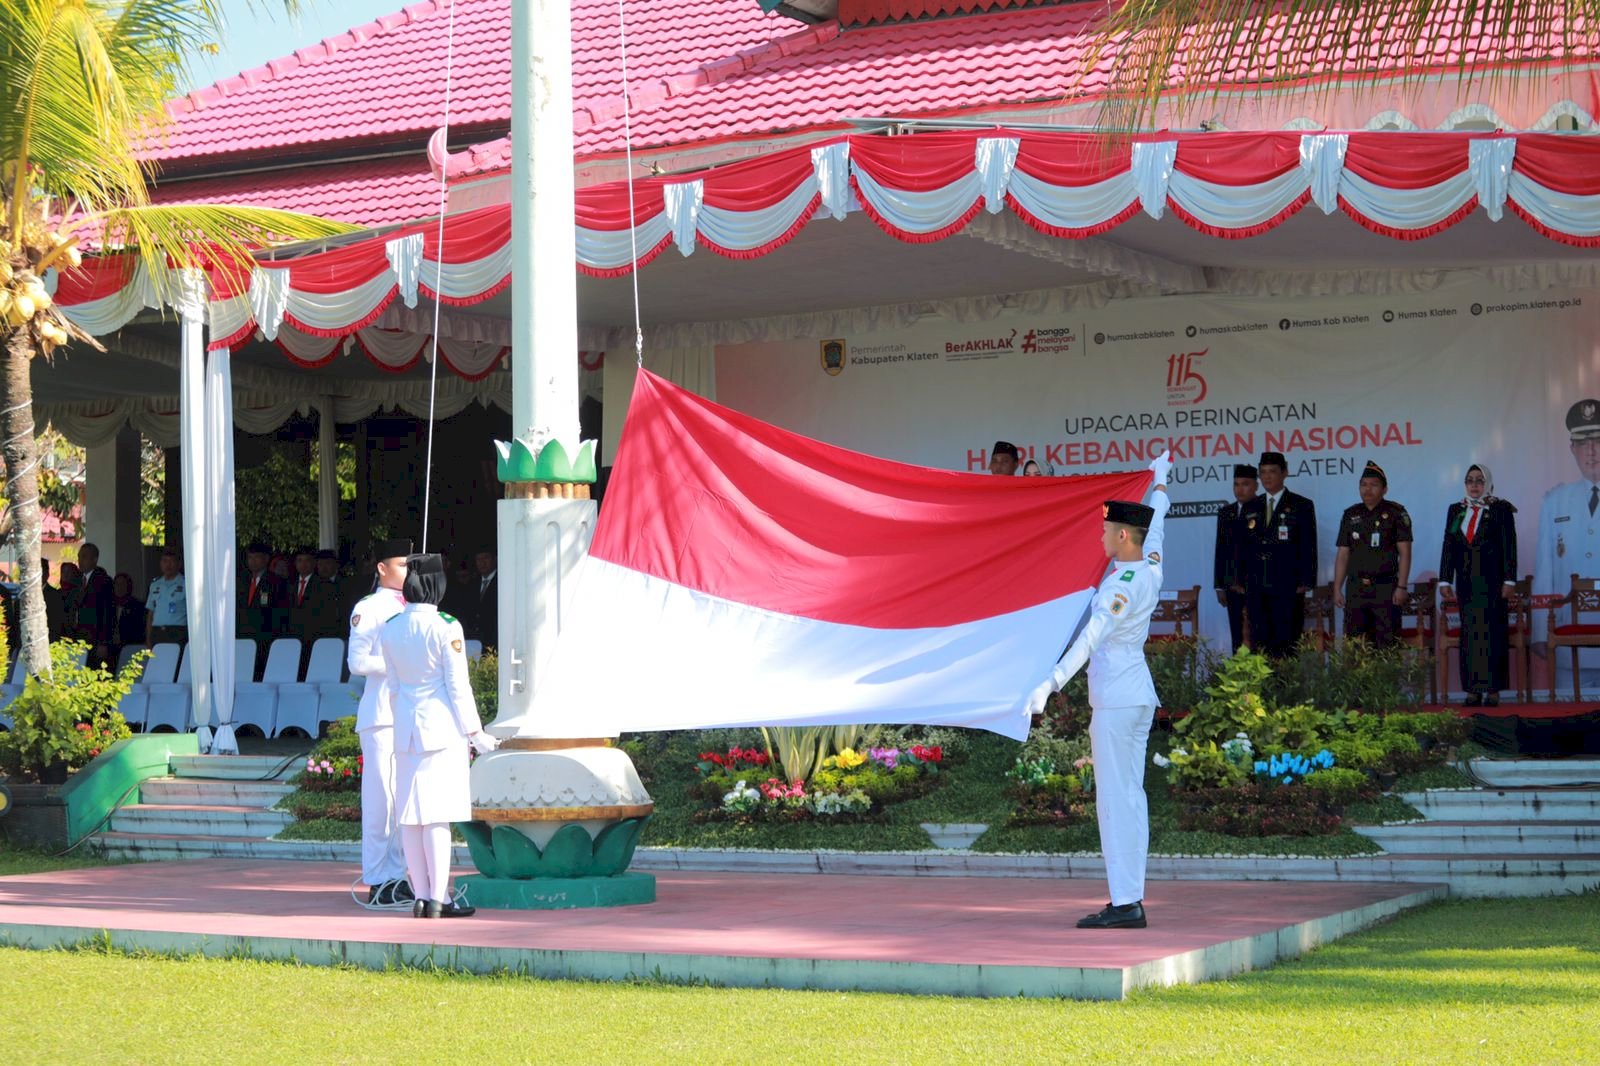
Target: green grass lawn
[[28, 861], [1479, 981]]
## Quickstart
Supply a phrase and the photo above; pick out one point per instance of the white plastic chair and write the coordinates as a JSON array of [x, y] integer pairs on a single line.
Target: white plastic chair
[[255, 702], [474, 650], [327, 662], [135, 708], [162, 666], [169, 693], [283, 662], [128, 652], [334, 704]]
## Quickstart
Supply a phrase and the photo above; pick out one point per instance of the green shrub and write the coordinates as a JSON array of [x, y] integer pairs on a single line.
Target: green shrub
[[484, 676], [60, 723], [1207, 764], [1181, 669], [1339, 786], [1233, 704]]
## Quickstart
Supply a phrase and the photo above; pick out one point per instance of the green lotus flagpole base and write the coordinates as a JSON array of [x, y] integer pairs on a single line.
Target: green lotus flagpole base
[[558, 893]]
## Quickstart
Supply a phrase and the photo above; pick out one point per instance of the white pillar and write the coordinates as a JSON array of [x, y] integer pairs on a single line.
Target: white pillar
[[327, 476], [111, 506], [192, 456]]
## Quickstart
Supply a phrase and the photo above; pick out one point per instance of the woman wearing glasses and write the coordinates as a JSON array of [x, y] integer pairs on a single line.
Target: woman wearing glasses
[[1478, 570]]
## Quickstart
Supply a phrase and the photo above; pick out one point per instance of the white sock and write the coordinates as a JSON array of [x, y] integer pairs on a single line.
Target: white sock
[[436, 852], [414, 842]]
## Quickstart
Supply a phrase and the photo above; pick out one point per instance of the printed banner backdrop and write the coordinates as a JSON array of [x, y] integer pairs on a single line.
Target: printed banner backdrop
[[1424, 385]]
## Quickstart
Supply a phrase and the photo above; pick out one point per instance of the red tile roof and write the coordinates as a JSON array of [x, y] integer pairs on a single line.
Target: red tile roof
[[372, 192], [385, 80]]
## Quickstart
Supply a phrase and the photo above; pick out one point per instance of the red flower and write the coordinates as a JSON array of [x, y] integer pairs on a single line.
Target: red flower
[[83, 727], [347, 773]]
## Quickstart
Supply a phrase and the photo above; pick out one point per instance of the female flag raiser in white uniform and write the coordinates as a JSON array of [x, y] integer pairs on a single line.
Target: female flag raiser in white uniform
[[744, 575]]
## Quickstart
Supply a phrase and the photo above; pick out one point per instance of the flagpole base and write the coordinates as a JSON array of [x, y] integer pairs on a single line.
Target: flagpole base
[[558, 893]]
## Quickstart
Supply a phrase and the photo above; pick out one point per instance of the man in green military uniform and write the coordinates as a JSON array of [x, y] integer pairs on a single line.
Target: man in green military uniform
[[1374, 562]]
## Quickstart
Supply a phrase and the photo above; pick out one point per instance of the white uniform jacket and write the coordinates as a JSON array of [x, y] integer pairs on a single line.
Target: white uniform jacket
[[366, 619], [1112, 641], [425, 653], [1569, 543]]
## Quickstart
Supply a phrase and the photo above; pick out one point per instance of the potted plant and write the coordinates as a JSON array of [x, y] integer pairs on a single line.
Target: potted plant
[[61, 722]]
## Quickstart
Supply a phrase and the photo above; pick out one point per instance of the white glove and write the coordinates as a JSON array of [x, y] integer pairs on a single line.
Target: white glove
[[1038, 697], [1162, 465], [482, 743]]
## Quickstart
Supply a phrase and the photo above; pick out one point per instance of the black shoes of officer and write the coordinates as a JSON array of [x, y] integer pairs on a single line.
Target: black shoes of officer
[[1127, 916], [1491, 699], [390, 893], [429, 908]]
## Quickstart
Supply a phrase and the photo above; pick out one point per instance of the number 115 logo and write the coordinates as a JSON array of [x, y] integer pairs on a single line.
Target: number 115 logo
[[1182, 375]]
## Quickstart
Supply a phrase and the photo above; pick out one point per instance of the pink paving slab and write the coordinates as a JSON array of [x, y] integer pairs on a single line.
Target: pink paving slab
[[926, 924]]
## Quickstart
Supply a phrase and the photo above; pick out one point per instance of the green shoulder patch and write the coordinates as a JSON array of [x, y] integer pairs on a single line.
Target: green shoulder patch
[[447, 617], [1127, 575]]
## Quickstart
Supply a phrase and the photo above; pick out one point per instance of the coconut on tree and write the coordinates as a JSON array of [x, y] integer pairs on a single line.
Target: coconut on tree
[[83, 84]]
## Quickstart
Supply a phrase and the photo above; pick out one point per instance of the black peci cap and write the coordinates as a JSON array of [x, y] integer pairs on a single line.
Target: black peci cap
[[1129, 514], [393, 548], [1004, 447], [1274, 459], [1244, 470]]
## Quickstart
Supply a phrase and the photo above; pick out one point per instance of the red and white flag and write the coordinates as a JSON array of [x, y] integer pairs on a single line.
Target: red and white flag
[[744, 575]]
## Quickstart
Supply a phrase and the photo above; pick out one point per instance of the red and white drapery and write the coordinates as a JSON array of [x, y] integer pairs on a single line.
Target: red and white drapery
[[917, 188]]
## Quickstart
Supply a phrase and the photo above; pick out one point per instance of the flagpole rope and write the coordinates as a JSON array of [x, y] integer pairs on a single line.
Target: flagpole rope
[[438, 278], [633, 222]]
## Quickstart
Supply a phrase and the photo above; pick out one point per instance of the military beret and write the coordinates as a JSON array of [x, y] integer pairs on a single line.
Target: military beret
[[1128, 514], [1005, 447], [1583, 420], [1274, 459], [392, 548], [1244, 470], [1373, 470]]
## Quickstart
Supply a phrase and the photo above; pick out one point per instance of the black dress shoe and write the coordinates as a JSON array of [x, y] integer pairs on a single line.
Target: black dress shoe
[[1127, 916], [457, 910], [1491, 699], [1472, 700], [401, 891], [419, 909], [427, 908]]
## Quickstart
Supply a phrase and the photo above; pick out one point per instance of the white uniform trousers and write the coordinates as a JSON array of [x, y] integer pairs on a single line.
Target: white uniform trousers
[[1118, 736], [381, 856]]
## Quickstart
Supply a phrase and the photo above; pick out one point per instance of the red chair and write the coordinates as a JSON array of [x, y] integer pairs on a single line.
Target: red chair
[[1584, 598]]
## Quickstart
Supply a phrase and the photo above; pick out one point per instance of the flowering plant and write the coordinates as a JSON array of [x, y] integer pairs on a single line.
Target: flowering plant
[[848, 759], [735, 760], [338, 773], [922, 753], [888, 758], [741, 799], [827, 804], [1288, 767]]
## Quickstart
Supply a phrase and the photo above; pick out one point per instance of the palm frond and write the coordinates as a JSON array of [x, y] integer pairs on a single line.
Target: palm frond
[[1168, 56], [218, 237]]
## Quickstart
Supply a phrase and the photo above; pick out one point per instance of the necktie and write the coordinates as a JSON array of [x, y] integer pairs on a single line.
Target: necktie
[[302, 597], [1269, 511], [1472, 526], [254, 578], [1594, 499]]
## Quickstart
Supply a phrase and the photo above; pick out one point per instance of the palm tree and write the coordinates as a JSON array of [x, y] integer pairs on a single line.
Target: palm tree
[[1178, 53], [82, 89]]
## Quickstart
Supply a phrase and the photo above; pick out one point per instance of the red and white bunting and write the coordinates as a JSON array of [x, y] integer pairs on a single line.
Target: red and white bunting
[[918, 188]]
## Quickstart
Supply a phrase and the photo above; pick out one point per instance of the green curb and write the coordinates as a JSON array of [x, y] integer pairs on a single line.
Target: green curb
[[558, 893]]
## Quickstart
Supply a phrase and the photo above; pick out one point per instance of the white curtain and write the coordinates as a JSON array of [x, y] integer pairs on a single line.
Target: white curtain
[[220, 562], [694, 368]]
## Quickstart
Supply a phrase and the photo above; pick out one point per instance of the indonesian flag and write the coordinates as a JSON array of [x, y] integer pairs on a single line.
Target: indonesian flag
[[743, 575]]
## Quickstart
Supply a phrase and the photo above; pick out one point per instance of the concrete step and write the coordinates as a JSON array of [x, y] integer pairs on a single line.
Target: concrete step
[[154, 847], [1533, 773], [1508, 805], [187, 791], [1455, 838], [238, 767], [198, 820]]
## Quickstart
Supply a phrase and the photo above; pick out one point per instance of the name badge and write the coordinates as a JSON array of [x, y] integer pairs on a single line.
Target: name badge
[[1375, 539], [1283, 532]]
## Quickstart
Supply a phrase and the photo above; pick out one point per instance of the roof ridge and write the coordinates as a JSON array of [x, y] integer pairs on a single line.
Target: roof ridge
[[496, 153], [196, 99]]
